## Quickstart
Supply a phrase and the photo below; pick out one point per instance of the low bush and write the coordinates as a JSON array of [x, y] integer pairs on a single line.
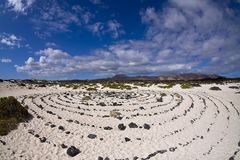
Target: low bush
[[91, 89], [42, 85], [196, 85], [234, 87], [163, 94], [75, 87], [21, 84], [215, 88], [86, 98], [114, 85], [115, 114], [186, 86], [11, 113], [159, 99], [167, 86]]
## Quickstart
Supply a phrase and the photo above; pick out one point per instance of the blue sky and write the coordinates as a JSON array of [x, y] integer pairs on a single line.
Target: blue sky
[[88, 39]]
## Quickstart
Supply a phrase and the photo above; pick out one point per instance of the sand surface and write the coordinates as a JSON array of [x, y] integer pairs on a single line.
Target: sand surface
[[188, 124]]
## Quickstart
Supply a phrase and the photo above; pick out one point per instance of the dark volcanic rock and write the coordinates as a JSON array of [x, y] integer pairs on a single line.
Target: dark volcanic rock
[[172, 149], [52, 125], [231, 158], [69, 120], [162, 151], [133, 125], [215, 88], [3, 142], [92, 136], [121, 126], [135, 158], [107, 128], [43, 139], [63, 146], [142, 108], [61, 128], [100, 158], [73, 151], [127, 139], [146, 126], [102, 104], [36, 135]]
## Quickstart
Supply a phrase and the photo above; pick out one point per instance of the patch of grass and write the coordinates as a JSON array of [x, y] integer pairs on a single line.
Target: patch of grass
[[234, 87], [167, 86], [91, 89], [177, 95], [86, 98], [196, 85], [11, 113], [75, 87], [115, 114], [163, 94], [186, 85], [115, 85]]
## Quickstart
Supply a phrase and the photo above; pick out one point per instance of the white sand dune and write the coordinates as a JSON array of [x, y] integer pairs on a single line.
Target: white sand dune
[[188, 124]]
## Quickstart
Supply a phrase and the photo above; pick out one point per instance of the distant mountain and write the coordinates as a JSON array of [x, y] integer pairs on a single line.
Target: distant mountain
[[120, 77], [185, 77]]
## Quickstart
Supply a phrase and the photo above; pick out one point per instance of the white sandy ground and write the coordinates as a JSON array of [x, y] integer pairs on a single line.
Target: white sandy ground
[[190, 124]]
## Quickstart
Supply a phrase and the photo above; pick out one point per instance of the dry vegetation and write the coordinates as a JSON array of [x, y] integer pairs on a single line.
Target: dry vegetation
[[11, 113]]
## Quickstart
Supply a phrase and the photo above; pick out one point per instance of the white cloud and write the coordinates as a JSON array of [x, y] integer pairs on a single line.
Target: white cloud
[[121, 58], [174, 18], [186, 36], [20, 6], [6, 60], [56, 16], [195, 31], [112, 27], [10, 40], [96, 28]]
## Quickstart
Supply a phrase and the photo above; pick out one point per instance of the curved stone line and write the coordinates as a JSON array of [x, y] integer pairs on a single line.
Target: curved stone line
[[121, 110]]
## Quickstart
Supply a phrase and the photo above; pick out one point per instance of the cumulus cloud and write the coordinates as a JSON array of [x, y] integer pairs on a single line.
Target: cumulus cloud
[[10, 40], [184, 36], [20, 6], [6, 60], [197, 31], [121, 58]]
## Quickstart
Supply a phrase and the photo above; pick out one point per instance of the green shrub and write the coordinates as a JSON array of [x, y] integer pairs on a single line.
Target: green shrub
[[186, 86], [163, 94], [115, 85], [196, 85], [86, 98], [91, 89], [115, 114], [167, 86], [11, 113], [75, 87]]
